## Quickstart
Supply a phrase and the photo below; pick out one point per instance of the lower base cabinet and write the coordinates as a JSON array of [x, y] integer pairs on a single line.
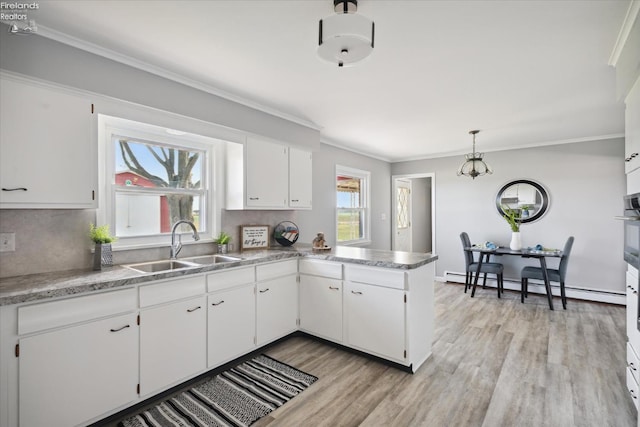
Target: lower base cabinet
[[74, 374], [277, 308], [321, 307], [375, 320], [231, 324], [173, 343]]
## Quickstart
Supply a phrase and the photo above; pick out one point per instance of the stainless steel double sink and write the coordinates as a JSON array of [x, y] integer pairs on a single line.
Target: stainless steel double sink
[[177, 264]]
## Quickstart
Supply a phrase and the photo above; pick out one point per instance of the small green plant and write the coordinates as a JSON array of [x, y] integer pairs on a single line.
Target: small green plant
[[223, 238], [525, 207], [512, 216], [101, 234]]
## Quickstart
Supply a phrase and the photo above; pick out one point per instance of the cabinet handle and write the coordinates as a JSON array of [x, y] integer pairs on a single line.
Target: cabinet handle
[[119, 329], [217, 303], [193, 309], [264, 290], [632, 366], [254, 198], [633, 394], [14, 189], [295, 200], [333, 289], [356, 292]]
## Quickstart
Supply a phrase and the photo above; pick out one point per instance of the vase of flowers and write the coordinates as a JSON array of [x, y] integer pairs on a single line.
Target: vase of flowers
[[512, 216], [102, 254]]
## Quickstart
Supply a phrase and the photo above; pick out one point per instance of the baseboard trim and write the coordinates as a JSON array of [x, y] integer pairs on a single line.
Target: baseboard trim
[[537, 287]]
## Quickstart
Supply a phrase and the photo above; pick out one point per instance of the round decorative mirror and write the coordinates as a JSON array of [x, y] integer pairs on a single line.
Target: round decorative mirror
[[528, 198]]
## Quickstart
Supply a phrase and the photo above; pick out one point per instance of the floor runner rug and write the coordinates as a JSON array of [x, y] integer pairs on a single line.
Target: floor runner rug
[[236, 397]]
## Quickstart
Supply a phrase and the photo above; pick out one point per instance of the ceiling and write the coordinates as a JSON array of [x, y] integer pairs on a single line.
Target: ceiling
[[525, 73]]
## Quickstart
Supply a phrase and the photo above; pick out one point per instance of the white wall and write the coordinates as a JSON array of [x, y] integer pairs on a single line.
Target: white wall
[[586, 183]]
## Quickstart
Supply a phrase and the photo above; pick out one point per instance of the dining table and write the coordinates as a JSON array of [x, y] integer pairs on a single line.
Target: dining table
[[541, 255]]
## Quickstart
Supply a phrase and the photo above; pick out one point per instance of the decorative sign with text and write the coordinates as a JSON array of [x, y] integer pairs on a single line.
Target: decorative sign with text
[[254, 237]]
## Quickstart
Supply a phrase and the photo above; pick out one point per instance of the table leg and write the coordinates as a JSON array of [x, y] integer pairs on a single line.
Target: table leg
[[475, 281], [547, 284]]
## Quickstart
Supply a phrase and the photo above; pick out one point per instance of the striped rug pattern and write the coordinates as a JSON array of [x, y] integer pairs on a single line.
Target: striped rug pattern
[[236, 397]]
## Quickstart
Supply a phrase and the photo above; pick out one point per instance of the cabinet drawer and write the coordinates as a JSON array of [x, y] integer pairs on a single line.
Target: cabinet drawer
[[37, 317], [328, 269], [632, 386], [171, 290], [276, 269], [230, 278], [386, 277]]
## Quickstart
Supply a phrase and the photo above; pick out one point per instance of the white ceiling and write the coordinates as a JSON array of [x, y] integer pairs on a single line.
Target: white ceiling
[[525, 73]]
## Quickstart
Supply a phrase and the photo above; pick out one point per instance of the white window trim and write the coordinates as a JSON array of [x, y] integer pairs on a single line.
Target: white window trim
[[365, 176], [111, 126]]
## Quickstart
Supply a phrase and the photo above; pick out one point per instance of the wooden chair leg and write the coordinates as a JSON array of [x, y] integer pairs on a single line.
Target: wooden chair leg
[[466, 282]]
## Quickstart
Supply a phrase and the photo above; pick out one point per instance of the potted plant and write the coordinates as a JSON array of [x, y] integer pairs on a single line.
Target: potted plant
[[512, 216], [223, 240], [102, 238], [525, 210]]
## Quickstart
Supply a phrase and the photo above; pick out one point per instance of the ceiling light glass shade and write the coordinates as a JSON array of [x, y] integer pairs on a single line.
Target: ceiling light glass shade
[[345, 38], [474, 165]]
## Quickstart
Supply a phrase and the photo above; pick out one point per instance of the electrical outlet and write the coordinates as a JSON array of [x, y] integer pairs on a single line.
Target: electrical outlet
[[7, 242]]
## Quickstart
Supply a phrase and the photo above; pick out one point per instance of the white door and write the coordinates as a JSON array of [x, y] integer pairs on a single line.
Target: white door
[[267, 167], [402, 220], [321, 306], [277, 308]]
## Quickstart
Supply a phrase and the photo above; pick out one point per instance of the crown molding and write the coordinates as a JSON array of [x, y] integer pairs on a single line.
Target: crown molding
[[342, 146], [159, 71], [625, 29]]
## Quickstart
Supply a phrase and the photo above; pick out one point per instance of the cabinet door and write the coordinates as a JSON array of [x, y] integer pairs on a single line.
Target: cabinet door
[[173, 343], [277, 308], [632, 129], [232, 324], [633, 334], [46, 147], [72, 375], [375, 319], [321, 307], [300, 178], [267, 169]]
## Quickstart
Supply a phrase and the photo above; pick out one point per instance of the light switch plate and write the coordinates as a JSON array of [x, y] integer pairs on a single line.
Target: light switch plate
[[7, 242]]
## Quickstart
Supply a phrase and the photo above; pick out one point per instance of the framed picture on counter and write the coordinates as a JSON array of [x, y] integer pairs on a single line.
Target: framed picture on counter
[[254, 237]]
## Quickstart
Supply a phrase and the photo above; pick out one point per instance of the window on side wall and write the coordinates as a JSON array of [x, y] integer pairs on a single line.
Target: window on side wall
[[156, 180], [352, 199]]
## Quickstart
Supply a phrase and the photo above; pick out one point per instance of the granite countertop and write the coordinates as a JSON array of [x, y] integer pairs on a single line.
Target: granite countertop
[[33, 287]]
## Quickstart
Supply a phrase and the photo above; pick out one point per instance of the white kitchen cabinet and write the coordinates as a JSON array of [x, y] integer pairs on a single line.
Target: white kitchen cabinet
[[173, 343], [300, 178], [375, 320], [48, 147], [231, 324], [74, 374], [267, 166], [276, 300], [264, 174], [632, 129], [321, 299]]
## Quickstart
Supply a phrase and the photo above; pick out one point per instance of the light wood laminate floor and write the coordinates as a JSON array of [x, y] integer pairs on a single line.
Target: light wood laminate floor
[[495, 362]]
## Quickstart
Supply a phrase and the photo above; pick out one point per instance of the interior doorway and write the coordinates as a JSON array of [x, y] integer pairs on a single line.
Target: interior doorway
[[413, 213]]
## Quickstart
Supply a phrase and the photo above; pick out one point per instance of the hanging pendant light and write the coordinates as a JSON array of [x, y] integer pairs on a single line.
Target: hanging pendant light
[[474, 165]]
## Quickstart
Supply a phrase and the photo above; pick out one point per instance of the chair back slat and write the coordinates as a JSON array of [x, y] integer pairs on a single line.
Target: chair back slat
[[466, 243], [562, 268]]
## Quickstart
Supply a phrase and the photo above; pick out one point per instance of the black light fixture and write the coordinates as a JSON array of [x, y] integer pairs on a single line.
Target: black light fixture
[[346, 37], [474, 165]]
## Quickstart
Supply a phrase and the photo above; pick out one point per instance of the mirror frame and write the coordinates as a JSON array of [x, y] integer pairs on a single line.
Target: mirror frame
[[543, 193]]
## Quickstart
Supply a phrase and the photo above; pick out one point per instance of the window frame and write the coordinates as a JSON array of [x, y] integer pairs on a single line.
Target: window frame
[[365, 179], [113, 127]]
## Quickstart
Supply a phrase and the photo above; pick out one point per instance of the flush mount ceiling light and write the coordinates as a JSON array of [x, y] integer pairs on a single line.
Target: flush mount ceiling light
[[346, 37], [474, 165]]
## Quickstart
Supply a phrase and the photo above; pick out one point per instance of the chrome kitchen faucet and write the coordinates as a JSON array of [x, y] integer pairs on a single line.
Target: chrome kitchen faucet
[[175, 247]]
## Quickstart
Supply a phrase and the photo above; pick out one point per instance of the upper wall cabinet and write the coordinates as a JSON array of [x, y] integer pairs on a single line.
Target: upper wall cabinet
[[48, 155], [632, 129], [267, 175]]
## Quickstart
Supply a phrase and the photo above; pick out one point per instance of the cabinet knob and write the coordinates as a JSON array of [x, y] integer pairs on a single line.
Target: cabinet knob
[[191, 310], [217, 303], [14, 189], [262, 291], [120, 328]]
